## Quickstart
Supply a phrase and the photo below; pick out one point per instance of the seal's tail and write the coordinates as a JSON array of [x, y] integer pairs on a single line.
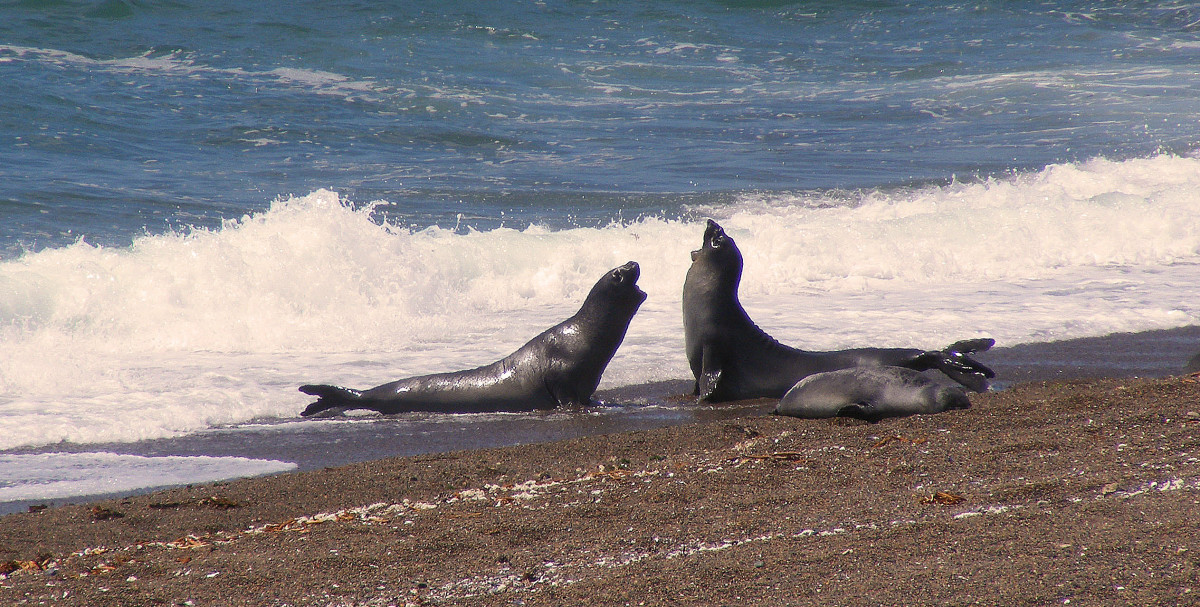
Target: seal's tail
[[954, 362], [330, 397]]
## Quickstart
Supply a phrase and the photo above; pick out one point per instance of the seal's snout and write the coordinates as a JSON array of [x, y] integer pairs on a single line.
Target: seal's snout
[[633, 271], [714, 234], [629, 274]]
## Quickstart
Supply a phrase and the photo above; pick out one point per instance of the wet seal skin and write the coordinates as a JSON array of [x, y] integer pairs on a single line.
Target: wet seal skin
[[732, 359], [870, 393], [560, 367]]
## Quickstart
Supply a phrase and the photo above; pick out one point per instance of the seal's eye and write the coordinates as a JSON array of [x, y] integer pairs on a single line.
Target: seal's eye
[[718, 241]]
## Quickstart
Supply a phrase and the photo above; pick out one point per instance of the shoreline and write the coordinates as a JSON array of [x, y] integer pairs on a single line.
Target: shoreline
[[315, 444], [1091, 483]]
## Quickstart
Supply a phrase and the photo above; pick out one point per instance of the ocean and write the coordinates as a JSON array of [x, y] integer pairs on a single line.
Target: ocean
[[207, 204]]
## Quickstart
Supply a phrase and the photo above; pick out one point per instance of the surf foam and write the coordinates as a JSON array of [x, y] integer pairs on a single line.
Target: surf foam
[[190, 330], [51, 476]]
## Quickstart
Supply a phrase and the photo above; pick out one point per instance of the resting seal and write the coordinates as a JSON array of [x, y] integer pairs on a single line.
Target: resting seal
[[870, 393], [732, 359], [561, 366]]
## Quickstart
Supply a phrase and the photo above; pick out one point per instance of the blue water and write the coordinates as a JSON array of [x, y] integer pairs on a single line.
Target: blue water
[[126, 117], [207, 204]]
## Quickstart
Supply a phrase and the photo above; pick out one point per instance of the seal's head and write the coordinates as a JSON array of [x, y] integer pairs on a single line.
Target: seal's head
[[618, 290], [719, 254]]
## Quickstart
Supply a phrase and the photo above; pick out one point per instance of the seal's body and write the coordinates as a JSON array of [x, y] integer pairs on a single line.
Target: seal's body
[[870, 393], [732, 359], [561, 366]]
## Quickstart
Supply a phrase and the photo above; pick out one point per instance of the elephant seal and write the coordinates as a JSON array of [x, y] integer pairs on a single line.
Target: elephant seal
[[561, 366], [870, 393], [732, 359]]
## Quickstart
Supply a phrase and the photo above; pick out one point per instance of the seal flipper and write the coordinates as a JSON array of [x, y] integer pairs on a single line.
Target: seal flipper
[[970, 346], [857, 411], [954, 362], [330, 397], [710, 375]]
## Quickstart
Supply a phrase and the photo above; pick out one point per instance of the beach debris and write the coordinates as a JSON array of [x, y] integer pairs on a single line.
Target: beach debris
[[117, 561], [993, 510], [101, 568], [374, 513], [1173, 484], [100, 513], [9, 567], [219, 503], [468, 495], [38, 507], [943, 498], [190, 542], [615, 474], [303, 523], [778, 456], [896, 438], [43, 562]]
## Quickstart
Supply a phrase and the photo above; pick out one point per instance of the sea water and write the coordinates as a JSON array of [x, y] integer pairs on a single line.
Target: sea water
[[206, 205]]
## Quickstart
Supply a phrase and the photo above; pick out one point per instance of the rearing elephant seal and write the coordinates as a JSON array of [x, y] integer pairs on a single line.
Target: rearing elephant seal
[[562, 366], [732, 359]]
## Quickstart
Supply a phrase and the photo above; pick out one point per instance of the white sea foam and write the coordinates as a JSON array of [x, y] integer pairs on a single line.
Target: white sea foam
[[184, 331], [50, 476]]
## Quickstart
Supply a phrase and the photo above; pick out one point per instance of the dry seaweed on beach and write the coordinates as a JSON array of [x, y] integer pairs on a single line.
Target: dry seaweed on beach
[[1091, 485]]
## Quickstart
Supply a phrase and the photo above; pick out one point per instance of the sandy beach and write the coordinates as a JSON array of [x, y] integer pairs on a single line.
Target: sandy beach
[[1070, 491]]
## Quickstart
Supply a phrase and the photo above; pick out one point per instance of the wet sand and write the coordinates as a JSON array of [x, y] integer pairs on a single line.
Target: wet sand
[[314, 444], [1079, 490]]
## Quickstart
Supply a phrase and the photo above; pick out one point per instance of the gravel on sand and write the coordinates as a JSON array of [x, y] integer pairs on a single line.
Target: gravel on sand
[[1068, 492]]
